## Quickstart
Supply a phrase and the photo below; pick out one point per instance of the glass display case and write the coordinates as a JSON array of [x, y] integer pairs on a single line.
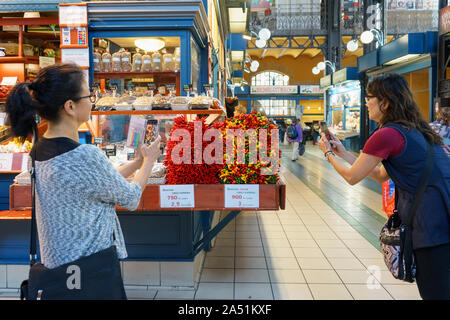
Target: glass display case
[[345, 107]]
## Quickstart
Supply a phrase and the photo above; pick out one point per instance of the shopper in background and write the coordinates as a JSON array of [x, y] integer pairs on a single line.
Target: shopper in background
[[282, 130], [295, 136], [400, 144], [77, 188]]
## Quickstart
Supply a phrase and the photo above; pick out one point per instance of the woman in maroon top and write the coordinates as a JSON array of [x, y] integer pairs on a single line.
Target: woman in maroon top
[[400, 144]]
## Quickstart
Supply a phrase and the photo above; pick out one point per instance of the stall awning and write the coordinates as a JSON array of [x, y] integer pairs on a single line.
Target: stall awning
[[32, 5], [369, 61], [407, 47]]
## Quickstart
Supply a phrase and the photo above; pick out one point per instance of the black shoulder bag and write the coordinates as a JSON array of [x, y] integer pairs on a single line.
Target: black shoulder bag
[[95, 277], [396, 236]]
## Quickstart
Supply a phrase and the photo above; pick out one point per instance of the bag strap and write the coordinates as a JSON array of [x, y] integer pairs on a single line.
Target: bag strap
[[423, 183], [33, 235]]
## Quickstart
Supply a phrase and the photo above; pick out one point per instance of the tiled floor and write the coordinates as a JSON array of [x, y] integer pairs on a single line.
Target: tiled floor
[[323, 246]]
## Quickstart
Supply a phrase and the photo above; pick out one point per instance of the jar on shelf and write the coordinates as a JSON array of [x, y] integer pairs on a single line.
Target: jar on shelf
[[126, 61], [156, 61], [177, 58], [116, 62], [146, 63], [106, 62], [168, 62], [137, 61], [97, 61]]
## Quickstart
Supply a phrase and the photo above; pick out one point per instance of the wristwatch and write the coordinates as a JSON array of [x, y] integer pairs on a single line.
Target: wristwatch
[[328, 153]]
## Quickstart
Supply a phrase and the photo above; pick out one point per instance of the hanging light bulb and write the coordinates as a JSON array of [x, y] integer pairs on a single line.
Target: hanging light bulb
[[352, 45], [264, 34], [286, 78], [321, 65], [260, 43], [315, 70], [367, 37]]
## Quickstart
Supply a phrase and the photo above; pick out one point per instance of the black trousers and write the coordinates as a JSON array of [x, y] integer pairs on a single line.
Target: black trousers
[[433, 272]]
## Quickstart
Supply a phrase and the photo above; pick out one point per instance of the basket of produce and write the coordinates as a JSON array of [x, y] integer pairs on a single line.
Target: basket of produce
[[161, 103], [200, 103], [143, 103], [180, 103]]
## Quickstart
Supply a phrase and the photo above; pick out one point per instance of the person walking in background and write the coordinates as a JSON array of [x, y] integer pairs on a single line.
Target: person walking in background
[[77, 188], [400, 144], [282, 130], [295, 136]]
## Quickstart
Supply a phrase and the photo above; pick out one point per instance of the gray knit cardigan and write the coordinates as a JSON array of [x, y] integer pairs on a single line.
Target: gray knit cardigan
[[76, 194]]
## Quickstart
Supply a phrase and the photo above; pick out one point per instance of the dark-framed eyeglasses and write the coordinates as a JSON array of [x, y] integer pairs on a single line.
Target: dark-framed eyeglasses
[[91, 97], [368, 97]]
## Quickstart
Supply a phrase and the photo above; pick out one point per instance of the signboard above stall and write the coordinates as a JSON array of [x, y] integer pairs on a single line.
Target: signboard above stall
[[73, 21], [346, 74], [325, 81], [310, 89], [274, 89]]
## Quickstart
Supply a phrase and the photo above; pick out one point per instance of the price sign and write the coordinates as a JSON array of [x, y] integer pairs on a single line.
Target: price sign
[[98, 140], [187, 87], [177, 196], [170, 87], [113, 86], [242, 196], [8, 81], [207, 87], [151, 86]]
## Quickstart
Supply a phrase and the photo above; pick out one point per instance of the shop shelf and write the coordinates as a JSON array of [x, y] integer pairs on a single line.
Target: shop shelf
[[157, 112], [127, 75]]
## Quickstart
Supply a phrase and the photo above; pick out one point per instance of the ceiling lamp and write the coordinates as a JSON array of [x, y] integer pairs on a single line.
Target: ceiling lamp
[[254, 66], [352, 45], [149, 44], [260, 43], [367, 37], [264, 34], [321, 65], [286, 78], [315, 70]]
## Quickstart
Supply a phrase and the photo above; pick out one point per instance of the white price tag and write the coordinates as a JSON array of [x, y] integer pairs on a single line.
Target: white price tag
[[177, 196], [242, 196], [6, 161], [8, 81]]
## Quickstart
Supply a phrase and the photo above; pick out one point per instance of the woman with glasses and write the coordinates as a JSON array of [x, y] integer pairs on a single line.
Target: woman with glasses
[[400, 145], [77, 188]]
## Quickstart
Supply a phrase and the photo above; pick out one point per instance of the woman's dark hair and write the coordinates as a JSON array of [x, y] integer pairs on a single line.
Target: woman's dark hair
[[46, 95], [394, 89]]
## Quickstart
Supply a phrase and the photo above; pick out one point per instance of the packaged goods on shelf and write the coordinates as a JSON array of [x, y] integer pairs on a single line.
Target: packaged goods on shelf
[[116, 62], [168, 62], [156, 61], [137, 62], [96, 61], [4, 91], [125, 103], [106, 62], [146, 63], [177, 58], [126, 61]]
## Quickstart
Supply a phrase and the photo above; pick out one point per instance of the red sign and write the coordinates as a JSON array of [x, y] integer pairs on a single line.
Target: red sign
[[444, 26]]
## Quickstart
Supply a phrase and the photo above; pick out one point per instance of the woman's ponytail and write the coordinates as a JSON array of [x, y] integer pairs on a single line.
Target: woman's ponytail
[[21, 109], [45, 96]]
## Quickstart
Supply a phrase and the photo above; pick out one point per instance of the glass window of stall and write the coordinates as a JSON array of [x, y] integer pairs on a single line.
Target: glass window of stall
[[345, 106]]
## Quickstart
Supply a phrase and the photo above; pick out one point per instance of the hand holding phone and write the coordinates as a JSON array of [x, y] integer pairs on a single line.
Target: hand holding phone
[[151, 131], [324, 127]]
